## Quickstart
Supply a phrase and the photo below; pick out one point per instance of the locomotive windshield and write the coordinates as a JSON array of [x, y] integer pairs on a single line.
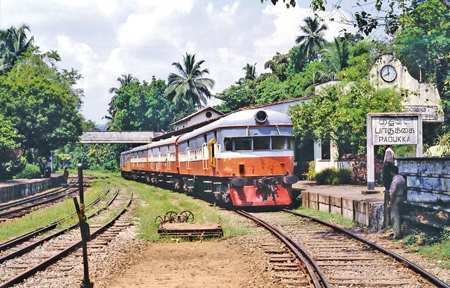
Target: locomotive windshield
[[259, 143]]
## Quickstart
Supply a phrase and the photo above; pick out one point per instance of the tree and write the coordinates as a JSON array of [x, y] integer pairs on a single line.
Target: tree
[[339, 114], [389, 13], [312, 40], [144, 107], [235, 97], [424, 39], [13, 43], [336, 57], [41, 103], [278, 65], [11, 160], [189, 87], [124, 79]]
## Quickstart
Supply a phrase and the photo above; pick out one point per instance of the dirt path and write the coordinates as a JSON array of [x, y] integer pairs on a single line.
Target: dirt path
[[197, 264]]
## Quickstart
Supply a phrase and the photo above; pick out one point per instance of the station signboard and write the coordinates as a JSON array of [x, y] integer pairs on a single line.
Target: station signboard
[[429, 113], [395, 130], [391, 129]]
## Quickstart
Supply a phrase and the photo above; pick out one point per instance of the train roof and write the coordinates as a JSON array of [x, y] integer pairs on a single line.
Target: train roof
[[201, 124], [241, 118]]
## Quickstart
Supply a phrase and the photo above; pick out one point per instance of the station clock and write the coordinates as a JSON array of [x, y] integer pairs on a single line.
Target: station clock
[[388, 73]]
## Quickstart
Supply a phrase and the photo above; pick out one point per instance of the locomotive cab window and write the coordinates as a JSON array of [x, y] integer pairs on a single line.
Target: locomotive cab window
[[290, 143], [278, 143], [261, 143], [228, 144], [244, 143]]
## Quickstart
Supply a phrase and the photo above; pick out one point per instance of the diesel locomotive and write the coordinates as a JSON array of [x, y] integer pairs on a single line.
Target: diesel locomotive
[[244, 158]]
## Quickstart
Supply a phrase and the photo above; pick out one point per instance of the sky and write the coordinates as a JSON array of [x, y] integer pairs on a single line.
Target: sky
[[104, 39]]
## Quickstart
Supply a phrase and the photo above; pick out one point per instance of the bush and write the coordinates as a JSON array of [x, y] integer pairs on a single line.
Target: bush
[[333, 176], [311, 172], [30, 171], [359, 170]]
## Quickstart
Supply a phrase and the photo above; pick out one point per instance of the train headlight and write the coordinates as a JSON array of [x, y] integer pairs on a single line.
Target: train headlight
[[261, 116], [290, 179]]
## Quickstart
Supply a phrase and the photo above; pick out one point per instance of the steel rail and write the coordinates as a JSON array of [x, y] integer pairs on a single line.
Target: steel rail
[[425, 274], [317, 277], [43, 265], [27, 236], [33, 245]]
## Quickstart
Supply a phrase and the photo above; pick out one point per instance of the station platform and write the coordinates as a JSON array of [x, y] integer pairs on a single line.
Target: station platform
[[20, 188], [351, 201]]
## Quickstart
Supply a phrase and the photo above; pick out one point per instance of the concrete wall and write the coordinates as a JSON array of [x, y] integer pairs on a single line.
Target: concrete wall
[[364, 212], [427, 179], [16, 189]]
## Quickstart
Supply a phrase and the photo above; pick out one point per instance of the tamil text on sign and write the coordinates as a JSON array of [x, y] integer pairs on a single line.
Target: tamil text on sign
[[394, 130]]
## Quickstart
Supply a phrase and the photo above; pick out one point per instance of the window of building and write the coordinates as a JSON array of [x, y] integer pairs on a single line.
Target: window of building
[[208, 114]]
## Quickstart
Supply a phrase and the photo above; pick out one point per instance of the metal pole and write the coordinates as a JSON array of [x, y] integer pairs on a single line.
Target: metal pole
[[80, 185], [84, 227]]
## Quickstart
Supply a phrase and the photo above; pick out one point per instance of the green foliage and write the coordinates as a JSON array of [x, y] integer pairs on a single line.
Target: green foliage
[[339, 114], [189, 87], [333, 176], [143, 106], [41, 102], [425, 37], [311, 171], [297, 61], [97, 157], [235, 97], [13, 43], [11, 160], [30, 172]]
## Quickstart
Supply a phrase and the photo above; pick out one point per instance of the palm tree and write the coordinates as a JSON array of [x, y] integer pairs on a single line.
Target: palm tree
[[312, 40], [337, 57], [13, 43], [124, 80], [278, 65], [189, 86], [250, 73]]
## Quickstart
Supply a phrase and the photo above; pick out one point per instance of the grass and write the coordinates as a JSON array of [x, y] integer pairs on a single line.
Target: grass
[[327, 217], [155, 201], [429, 243], [44, 217]]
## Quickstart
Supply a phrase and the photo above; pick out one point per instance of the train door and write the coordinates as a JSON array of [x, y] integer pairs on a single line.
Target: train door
[[205, 156], [212, 153]]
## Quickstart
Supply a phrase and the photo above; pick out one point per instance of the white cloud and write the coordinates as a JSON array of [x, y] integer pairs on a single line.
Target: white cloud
[[230, 9], [209, 8]]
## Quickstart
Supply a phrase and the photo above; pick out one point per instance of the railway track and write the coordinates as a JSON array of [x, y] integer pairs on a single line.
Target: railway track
[[40, 231], [62, 246], [337, 257], [23, 206]]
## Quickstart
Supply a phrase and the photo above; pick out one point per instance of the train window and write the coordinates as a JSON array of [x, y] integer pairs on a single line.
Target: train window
[[243, 143], [290, 143], [228, 144], [278, 143], [261, 143]]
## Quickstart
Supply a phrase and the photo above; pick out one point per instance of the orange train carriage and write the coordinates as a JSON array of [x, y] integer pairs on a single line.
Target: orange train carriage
[[242, 159]]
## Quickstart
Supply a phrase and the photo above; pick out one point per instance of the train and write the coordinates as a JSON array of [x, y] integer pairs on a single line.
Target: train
[[242, 159]]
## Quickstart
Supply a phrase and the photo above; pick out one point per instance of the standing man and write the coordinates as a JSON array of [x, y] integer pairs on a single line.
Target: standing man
[[397, 193], [386, 178], [65, 176]]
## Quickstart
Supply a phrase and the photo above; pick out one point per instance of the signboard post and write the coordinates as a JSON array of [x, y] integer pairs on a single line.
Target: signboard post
[[391, 129]]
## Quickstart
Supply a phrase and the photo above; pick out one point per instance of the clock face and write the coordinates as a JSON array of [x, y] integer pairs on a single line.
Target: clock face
[[388, 73]]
